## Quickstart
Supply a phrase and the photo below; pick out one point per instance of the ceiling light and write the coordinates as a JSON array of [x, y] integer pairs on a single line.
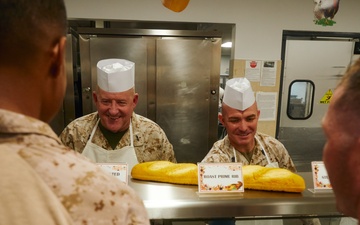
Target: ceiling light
[[226, 45]]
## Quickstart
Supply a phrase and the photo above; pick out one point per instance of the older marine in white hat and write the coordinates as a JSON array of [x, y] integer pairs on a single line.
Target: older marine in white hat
[[115, 133], [115, 75], [239, 116]]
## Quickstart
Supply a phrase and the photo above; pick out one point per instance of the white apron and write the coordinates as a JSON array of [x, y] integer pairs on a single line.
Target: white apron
[[255, 221], [270, 164], [101, 155]]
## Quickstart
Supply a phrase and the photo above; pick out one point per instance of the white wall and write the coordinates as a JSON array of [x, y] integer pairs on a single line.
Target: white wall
[[259, 23]]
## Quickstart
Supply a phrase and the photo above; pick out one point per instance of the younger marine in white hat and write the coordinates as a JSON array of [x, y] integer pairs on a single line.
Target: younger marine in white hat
[[239, 115], [115, 133]]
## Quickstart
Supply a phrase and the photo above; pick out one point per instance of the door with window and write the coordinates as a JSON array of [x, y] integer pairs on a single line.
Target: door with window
[[312, 69]]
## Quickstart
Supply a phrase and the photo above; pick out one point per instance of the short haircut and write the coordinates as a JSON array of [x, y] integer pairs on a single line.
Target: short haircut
[[349, 101], [27, 24]]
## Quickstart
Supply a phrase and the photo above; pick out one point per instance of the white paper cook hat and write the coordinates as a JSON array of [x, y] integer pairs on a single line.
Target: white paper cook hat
[[239, 94], [115, 75]]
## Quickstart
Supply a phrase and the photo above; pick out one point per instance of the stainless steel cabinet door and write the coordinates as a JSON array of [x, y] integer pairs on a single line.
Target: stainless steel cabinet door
[[186, 107]]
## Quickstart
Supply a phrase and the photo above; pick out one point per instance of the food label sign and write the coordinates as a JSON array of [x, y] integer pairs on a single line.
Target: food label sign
[[320, 176], [118, 170], [220, 177]]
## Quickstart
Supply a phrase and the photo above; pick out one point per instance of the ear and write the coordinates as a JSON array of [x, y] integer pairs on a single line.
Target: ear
[[135, 99], [95, 97], [58, 57], [220, 117]]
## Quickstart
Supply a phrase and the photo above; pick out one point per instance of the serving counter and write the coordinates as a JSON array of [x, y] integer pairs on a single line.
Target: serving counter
[[182, 202]]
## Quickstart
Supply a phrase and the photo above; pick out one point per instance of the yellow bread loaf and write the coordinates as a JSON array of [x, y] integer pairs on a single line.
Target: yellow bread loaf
[[272, 179], [255, 177], [168, 172]]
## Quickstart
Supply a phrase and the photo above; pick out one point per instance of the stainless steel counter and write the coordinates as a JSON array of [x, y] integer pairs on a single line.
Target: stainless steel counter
[[182, 202]]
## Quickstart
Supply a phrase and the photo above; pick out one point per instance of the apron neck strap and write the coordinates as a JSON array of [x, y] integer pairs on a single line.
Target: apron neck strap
[[94, 129], [131, 135]]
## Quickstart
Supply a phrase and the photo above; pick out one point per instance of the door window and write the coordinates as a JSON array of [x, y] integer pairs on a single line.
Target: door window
[[300, 101]]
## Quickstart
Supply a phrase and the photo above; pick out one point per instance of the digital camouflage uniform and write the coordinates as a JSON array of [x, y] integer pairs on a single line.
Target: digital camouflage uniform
[[222, 151], [90, 195], [150, 140], [25, 197]]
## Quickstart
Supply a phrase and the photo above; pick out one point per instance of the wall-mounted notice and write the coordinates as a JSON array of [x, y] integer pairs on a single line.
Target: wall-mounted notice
[[252, 70], [267, 105], [268, 73]]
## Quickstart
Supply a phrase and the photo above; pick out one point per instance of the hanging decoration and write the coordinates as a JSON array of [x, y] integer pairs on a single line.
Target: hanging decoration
[[175, 5], [325, 11]]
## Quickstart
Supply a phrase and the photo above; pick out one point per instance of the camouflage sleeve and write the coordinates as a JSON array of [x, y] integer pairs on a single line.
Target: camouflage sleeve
[[88, 193], [285, 160], [168, 150], [216, 154], [277, 152], [76, 134], [25, 197], [159, 141], [66, 138]]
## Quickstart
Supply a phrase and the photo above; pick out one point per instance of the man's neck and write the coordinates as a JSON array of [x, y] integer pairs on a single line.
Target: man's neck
[[112, 138], [245, 149]]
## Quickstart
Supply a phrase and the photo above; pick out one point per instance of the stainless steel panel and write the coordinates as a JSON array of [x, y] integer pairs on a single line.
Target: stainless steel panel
[[182, 202], [86, 86], [133, 49], [183, 96]]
